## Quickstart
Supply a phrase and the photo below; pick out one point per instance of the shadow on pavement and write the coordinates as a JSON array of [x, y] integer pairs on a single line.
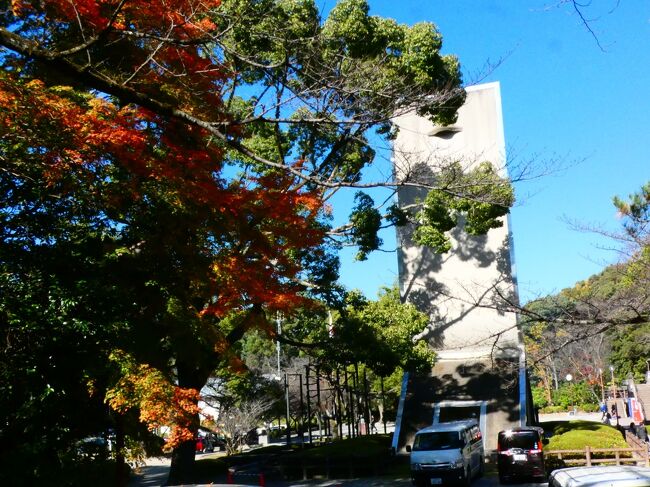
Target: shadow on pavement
[[150, 476]]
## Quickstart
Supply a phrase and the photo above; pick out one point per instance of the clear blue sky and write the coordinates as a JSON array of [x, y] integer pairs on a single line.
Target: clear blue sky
[[563, 97]]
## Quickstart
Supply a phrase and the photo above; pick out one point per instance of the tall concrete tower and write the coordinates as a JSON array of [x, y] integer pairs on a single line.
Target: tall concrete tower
[[480, 370]]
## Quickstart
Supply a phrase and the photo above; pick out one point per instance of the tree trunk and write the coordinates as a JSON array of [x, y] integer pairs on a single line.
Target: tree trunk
[[554, 372], [121, 471], [181, 471], [182, 467], [548, 389]]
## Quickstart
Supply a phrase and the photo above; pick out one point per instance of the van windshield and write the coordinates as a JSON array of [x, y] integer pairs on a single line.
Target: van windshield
[[440, 440]]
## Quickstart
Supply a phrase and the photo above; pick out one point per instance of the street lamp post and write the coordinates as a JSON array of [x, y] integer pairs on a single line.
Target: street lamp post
[[611, 369]]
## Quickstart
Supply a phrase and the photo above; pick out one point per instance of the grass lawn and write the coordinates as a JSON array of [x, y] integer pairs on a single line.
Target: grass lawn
[[354, 457], [208, 467], [372, 446]]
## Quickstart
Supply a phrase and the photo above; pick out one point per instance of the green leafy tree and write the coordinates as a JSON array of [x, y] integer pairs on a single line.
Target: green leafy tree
[[378, 335], [574, 394], [630, 350], [540, 399]]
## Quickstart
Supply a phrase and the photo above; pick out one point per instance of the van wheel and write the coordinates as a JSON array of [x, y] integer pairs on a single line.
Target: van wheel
[[468, 478]]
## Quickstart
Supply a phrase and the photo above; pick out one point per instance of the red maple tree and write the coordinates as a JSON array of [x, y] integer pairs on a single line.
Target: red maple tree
[[115, 157]]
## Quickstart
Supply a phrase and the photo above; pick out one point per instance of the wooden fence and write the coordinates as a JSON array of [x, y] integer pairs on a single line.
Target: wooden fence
[[619, 456]]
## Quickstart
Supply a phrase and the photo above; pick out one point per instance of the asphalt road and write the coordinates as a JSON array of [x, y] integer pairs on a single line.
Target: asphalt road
[[155, 474]]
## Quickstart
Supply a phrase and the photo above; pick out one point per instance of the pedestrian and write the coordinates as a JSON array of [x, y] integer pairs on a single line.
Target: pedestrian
[[614, 411], [641, 433], [633, 429], [608, 418], [603, 410]]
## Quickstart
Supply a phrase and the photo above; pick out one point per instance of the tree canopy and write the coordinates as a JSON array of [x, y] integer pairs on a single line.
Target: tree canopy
[[165, 170]]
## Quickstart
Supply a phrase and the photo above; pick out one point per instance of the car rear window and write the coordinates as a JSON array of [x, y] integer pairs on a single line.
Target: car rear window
[[441, 440], [526, 440]]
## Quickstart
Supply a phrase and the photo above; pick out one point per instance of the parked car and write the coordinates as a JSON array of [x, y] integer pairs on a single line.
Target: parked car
[[602, 476], [520, 455], [447, 453]]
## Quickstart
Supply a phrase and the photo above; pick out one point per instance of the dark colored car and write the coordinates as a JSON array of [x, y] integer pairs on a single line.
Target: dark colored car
[[520, 454]]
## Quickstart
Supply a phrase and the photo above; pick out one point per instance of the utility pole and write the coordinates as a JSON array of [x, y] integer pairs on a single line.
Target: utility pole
[[286, 397], [278, 319]]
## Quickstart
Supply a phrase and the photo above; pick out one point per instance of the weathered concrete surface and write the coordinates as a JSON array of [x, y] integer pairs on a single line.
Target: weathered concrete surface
[[478, 268]]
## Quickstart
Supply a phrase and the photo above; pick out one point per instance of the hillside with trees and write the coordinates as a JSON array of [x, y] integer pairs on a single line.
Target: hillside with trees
[[600, 322]]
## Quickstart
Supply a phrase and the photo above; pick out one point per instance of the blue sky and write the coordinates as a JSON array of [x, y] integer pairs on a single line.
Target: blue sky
[[563, 98]]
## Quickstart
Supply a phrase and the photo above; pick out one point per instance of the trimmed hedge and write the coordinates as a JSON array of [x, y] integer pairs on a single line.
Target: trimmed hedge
[[587, 408], [577, 434]]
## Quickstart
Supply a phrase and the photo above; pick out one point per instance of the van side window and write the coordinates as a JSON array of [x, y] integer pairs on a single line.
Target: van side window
[[475, 434], [467, 436]]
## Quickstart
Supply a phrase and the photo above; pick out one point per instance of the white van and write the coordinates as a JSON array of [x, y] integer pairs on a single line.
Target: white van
[[447, 453]]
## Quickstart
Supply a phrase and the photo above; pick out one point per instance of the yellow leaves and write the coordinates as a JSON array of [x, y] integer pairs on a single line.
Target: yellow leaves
[[91, 386], [35, 84]]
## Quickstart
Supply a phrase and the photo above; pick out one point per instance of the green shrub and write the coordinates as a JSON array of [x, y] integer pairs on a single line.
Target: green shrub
[[589, 408], [576, 435], [573, 393], [539, 397], [553, 409]]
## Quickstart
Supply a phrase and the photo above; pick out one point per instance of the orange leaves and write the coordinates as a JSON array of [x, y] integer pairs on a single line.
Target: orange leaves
[[259, 226], [156, 47], [116, 162], [19, 7], [75, 132], [185, 17], [160, 402]]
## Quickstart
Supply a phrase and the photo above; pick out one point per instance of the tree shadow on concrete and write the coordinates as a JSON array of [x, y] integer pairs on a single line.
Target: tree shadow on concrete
[[495, 382], [500, 293]]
